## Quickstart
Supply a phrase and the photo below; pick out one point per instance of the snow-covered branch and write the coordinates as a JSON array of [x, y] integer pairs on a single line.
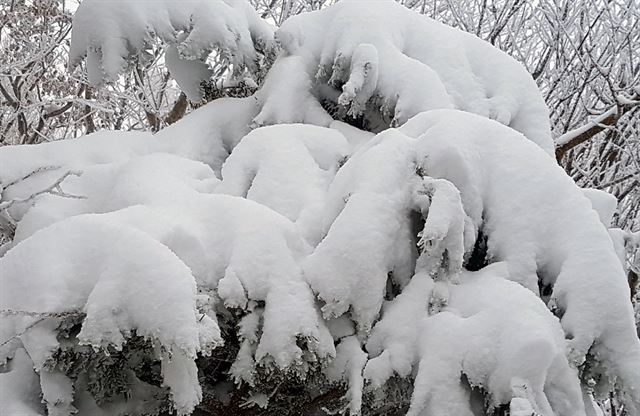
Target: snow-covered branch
[[604, 121]]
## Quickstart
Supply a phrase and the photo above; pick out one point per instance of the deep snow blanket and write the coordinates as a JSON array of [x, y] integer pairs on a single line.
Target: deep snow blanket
[[305, 230], [328, 249]]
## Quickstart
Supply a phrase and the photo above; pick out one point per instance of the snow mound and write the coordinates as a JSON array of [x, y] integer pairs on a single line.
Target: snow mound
[[287, 168], [409, 65], [549, 236], [498, 346], [192, 29], [513, 350], [123, 281], [208, 135], [368, 236], [373, 208], [248, 255], [146, 180], [129, 261]]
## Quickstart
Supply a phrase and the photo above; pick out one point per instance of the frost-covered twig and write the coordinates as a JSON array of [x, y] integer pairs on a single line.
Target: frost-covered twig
[[41, 315], [29, 175], [63, 314], [53, 189], [604, 121]]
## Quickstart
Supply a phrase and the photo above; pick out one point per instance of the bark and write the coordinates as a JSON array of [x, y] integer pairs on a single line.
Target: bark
[[178, 110], [582, 134]]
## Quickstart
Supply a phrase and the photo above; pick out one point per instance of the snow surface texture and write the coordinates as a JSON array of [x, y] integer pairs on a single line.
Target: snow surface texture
[[191, 28]]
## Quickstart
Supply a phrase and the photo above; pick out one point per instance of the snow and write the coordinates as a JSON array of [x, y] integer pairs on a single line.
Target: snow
[[603, 203], [284, 222], [188, 73], [207, 135], [347, 366], [367, 238], [560, 238], [119, 277], [335, 248], [467, 338], [192, 29], [411, 64], [477, 328], [555, 233], [19, 388], [170, 248], [287, 168], [248, 253], [144, 180], [401, 70], [285, 96], [367, 235]]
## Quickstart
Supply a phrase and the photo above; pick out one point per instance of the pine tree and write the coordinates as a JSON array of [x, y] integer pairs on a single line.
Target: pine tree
[[382, 227]]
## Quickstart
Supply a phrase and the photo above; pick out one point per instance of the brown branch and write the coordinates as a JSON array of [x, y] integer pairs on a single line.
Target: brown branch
[[59, 111], [88, 118], [578, 136], [178, 110]]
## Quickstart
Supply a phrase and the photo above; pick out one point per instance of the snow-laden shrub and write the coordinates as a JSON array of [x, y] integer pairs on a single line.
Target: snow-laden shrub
[[450, 253]]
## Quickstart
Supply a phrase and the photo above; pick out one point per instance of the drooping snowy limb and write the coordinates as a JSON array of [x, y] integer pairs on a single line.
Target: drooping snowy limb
[[442, 240], [288, 169], [394, 345], [56, 388], [499, 346], [108, 34], [363, 79], [156, 179], [506, 182], [208, 135], [465, 339], [222, 240], [286, 96], [347, 366], [407, 88], [369, 235], [146, 180], [107, 270], [243, 368], [437, 387], [225, 252], [368, 232], [411, 66]]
